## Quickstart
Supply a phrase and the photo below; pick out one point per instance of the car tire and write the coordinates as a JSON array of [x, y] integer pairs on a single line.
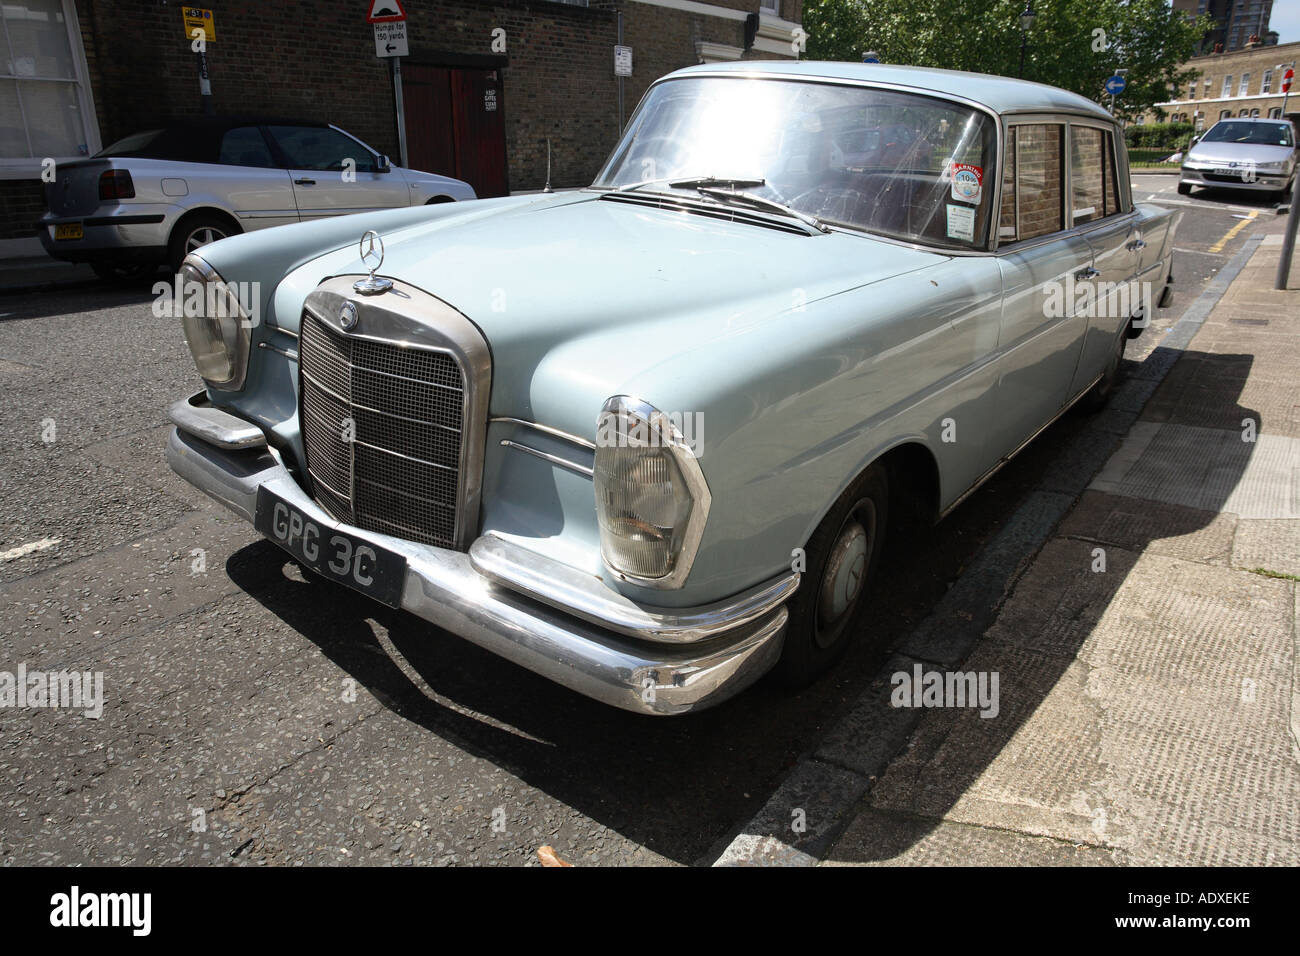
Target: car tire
[[840, 562], [124, 274], [1184, 189], [1099, 395], [195, 232]]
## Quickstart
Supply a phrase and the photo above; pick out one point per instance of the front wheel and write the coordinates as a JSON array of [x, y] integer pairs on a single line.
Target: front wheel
[[840, 561], [1184, 189]]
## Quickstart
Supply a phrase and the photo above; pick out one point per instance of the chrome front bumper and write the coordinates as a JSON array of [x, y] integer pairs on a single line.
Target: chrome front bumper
[[697, 658], [1263, 182]]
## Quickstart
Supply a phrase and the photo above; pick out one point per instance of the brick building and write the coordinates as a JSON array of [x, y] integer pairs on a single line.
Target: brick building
[[79, 74], [1236, 22], [1245, 82]]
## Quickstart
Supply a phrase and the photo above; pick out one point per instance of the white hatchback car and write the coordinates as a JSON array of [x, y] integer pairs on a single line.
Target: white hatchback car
[[156, 196]]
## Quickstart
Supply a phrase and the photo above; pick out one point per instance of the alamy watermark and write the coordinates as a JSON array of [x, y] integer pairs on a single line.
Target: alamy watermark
[[1089, 299], [222, 300], [65, 690], [923, 688]]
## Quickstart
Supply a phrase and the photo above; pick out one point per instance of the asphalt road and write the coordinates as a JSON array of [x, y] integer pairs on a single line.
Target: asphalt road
[[252, 716]]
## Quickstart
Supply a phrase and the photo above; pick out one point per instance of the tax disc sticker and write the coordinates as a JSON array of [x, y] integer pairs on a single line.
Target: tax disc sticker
[[961, 223], [967, 182]]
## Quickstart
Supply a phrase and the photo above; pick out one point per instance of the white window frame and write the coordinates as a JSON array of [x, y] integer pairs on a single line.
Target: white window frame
[[1227, 87], [1243, 88], [770, 6], [1266, 84], [31, 168]]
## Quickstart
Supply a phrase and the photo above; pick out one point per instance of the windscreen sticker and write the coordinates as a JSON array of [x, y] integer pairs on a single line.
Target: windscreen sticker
[[961, 223], [967, 182]]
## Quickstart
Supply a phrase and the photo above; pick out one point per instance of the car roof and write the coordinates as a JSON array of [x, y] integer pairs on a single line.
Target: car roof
[[1000, 94], [1252, 119]]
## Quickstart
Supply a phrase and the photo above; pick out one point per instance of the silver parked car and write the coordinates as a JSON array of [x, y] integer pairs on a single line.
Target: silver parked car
[[156, 196], [1255, 154]]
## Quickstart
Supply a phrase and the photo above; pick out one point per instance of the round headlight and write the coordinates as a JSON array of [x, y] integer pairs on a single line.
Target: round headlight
[[217, 327], [651, 496]]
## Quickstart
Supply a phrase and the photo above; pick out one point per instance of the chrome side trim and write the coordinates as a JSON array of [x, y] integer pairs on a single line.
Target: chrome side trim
[[282, 330], [287, 353], [553, 459], [444, 588], [588, 597], [197, 416], [547, 429]]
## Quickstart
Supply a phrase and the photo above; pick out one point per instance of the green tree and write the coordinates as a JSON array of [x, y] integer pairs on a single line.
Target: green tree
[[1074, 44]]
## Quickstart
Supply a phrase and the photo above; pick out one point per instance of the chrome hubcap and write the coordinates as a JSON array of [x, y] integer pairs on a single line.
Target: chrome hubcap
[[845, 574], [201, 237]]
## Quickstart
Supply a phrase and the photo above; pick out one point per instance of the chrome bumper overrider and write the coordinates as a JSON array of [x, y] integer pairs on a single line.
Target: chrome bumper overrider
[[731, 644]]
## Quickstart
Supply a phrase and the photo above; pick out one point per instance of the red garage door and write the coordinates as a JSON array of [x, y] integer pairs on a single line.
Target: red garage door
[[455, 124]]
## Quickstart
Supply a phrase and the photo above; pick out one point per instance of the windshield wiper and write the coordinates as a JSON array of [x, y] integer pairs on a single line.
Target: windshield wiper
[[691, 182], [763, 202]]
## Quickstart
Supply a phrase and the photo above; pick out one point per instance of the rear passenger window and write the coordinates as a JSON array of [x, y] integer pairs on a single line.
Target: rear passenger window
[[1031, 182], [1088, 198], [245, 146]]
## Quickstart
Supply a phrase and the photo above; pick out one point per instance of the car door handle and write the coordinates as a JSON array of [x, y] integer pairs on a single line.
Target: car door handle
[[304, 182], [1083, 275], [1137, 244]]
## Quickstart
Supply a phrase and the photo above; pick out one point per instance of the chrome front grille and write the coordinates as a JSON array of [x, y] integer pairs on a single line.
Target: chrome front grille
[[383, 428]]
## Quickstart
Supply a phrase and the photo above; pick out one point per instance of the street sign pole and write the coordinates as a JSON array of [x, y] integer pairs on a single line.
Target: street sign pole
[[401, 108], [620, 79], [205, 85], [1288, 244]]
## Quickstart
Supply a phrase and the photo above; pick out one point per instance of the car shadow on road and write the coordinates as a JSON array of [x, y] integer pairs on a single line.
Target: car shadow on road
[[679, 786]]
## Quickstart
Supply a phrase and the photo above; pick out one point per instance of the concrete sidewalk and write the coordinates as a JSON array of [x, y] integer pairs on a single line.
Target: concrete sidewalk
[[1147, 658], [38, 273], [1145, 655]]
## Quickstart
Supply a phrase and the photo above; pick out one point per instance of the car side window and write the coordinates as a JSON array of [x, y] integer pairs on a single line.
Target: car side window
[[1110, 177], [245, 146], [1032, 182], [1087, 174], [319, 147]]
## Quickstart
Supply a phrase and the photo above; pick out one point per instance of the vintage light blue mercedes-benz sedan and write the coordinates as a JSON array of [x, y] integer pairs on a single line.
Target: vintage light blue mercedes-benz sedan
[[646, 438]]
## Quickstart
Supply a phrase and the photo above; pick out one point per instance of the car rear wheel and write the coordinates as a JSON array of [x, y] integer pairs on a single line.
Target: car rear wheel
[[841, 558], [193, 234], [1097, 397]]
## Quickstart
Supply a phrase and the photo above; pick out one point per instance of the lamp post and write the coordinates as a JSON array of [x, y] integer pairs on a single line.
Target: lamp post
[[1027, 19]]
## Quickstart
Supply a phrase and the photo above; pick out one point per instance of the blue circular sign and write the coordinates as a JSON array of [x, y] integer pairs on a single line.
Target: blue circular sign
[[1115, 85]]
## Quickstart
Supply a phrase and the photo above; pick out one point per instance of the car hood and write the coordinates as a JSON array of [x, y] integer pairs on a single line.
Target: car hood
[[1223, 154], [575, 292]]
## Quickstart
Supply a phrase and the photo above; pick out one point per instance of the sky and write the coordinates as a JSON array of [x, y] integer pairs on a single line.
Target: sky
[[1285, 19]]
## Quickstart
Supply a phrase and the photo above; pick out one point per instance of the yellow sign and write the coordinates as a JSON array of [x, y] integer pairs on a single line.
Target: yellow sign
[[197, 18]]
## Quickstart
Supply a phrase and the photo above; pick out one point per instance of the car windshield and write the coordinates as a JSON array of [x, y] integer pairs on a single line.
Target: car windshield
[[1257, 134], [907, 166]]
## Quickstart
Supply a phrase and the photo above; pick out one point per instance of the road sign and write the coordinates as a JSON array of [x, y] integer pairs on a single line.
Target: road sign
[[1287, 77], [386, 11], [197, 18], [622, 61], [1115, 85], [390, 39]]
